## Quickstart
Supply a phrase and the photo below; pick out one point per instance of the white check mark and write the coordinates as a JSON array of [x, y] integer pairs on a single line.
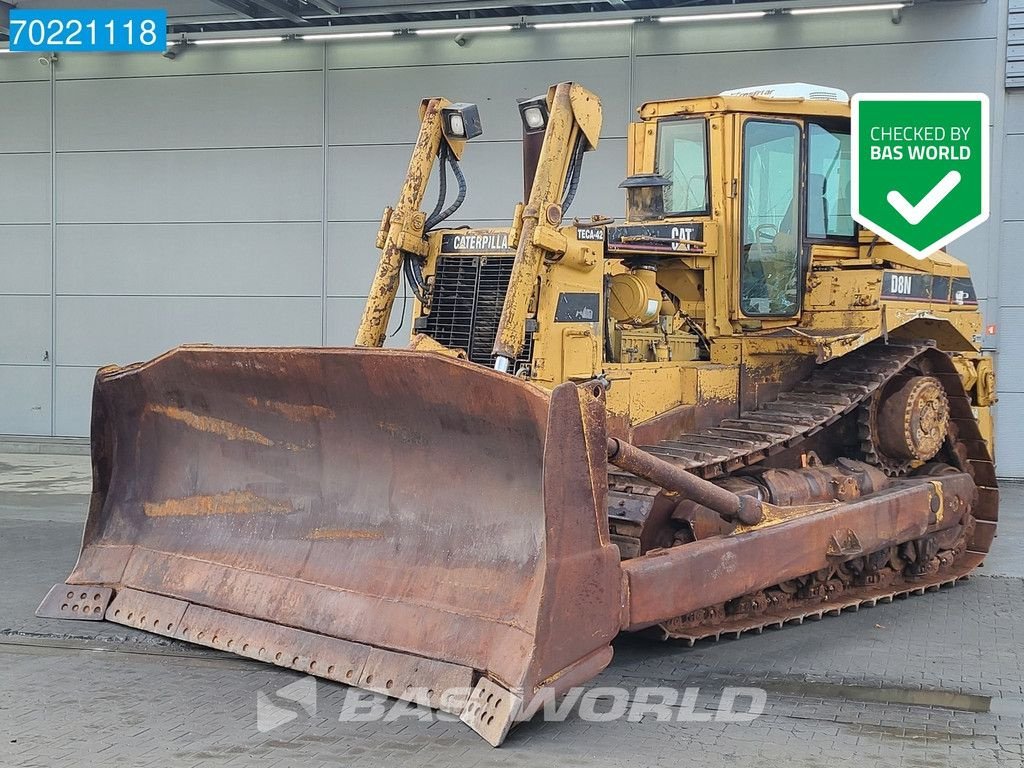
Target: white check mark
[[916, 213]]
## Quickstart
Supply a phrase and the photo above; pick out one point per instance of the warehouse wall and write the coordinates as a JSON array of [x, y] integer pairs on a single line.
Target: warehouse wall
[[231, 195]]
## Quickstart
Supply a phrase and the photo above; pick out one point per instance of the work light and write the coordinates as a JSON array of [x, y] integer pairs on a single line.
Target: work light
[[534, 113], [461, 121]]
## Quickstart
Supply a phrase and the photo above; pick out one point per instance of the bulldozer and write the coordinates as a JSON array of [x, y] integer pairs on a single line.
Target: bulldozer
[[733, 410]]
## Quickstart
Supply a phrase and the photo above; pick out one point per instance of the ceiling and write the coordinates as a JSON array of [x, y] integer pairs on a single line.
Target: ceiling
[[199, 16]]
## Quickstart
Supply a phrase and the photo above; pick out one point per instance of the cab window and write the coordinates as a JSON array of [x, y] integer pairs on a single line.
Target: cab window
[[828, 183], [770, 252], [682, 159]]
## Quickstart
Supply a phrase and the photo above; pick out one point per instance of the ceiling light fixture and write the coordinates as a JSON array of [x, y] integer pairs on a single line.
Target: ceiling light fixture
[[236, 40], [347, 35], [847, 8], [462, 30], [581, 24], [713, 16]]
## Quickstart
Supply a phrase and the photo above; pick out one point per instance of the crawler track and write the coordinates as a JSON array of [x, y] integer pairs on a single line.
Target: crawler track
[[833, 391]]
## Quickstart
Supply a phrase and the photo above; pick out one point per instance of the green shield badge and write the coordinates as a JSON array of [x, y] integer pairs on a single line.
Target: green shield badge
[[920, 166]]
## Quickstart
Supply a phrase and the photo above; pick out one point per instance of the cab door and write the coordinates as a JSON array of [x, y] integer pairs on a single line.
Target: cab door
[[771, 218]]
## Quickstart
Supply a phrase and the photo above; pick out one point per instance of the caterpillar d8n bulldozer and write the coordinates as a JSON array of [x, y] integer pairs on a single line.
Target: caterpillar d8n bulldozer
[[732, 410]]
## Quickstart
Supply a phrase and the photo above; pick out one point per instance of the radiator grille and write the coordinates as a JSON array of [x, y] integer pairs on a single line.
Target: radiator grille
[[465, 305]]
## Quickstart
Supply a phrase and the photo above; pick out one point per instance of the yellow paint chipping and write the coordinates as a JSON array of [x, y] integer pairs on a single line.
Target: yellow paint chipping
[[773, 515], [230, 503]]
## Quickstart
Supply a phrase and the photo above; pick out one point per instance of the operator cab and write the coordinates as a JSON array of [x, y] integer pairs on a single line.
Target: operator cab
[[784, 155]]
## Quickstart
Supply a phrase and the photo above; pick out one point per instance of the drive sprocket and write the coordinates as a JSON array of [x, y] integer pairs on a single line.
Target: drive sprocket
[[905, 423]]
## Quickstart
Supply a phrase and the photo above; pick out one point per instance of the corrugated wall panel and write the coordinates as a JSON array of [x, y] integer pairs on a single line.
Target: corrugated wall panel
[[96, 330], [205, 259], [25, 259], [25, 188], [266, 109], [273, 184], [27, 400], [25, 330]]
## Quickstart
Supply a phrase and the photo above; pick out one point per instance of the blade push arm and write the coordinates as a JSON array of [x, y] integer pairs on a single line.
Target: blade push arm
[[574, 124]]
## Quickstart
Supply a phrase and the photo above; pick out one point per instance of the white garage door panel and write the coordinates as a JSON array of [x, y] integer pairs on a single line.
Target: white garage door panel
[[1011, 257], [1013, 117], [24, 330], [24, 258], [94, 331], [1010, 371], [525, 45], [250, 110], [24, 188], [1012, 201], [73, 401], [25, 125], [279, 259], [190, 185], [22, 69], [901, 67], [973, 249], [1009, 435], [494, 88], [365, 179], [26, 400], [351, 258], [197, 60]]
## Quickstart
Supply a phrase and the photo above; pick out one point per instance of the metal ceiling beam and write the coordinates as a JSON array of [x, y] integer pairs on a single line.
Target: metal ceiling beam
[[371, 7], [281, 10], [238, 6], [325, 6]]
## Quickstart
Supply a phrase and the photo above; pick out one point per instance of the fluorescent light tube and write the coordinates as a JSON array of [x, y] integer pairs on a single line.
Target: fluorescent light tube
[[846, 9], [580, 24], [345, 35], [713, 16], [462, 30], [234, 40]]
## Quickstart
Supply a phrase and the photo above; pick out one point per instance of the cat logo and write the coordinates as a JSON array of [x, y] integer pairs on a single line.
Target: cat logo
[[682, 238]]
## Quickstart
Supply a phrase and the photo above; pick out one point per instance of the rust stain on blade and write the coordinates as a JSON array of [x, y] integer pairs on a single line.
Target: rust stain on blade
[[327, 534], [292, 411], [227, 429], [230, 503], [402, 433]]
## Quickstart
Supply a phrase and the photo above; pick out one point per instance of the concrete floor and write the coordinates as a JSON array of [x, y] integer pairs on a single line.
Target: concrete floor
[[924, 682]]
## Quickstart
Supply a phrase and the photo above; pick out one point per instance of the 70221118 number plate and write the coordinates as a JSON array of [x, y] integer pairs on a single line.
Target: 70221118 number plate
[[87, 30]]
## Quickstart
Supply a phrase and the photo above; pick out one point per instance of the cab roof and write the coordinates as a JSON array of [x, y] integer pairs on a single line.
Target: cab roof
[[797, 106]]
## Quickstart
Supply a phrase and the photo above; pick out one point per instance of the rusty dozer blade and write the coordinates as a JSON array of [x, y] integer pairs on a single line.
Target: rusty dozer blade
[[403, 522]]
